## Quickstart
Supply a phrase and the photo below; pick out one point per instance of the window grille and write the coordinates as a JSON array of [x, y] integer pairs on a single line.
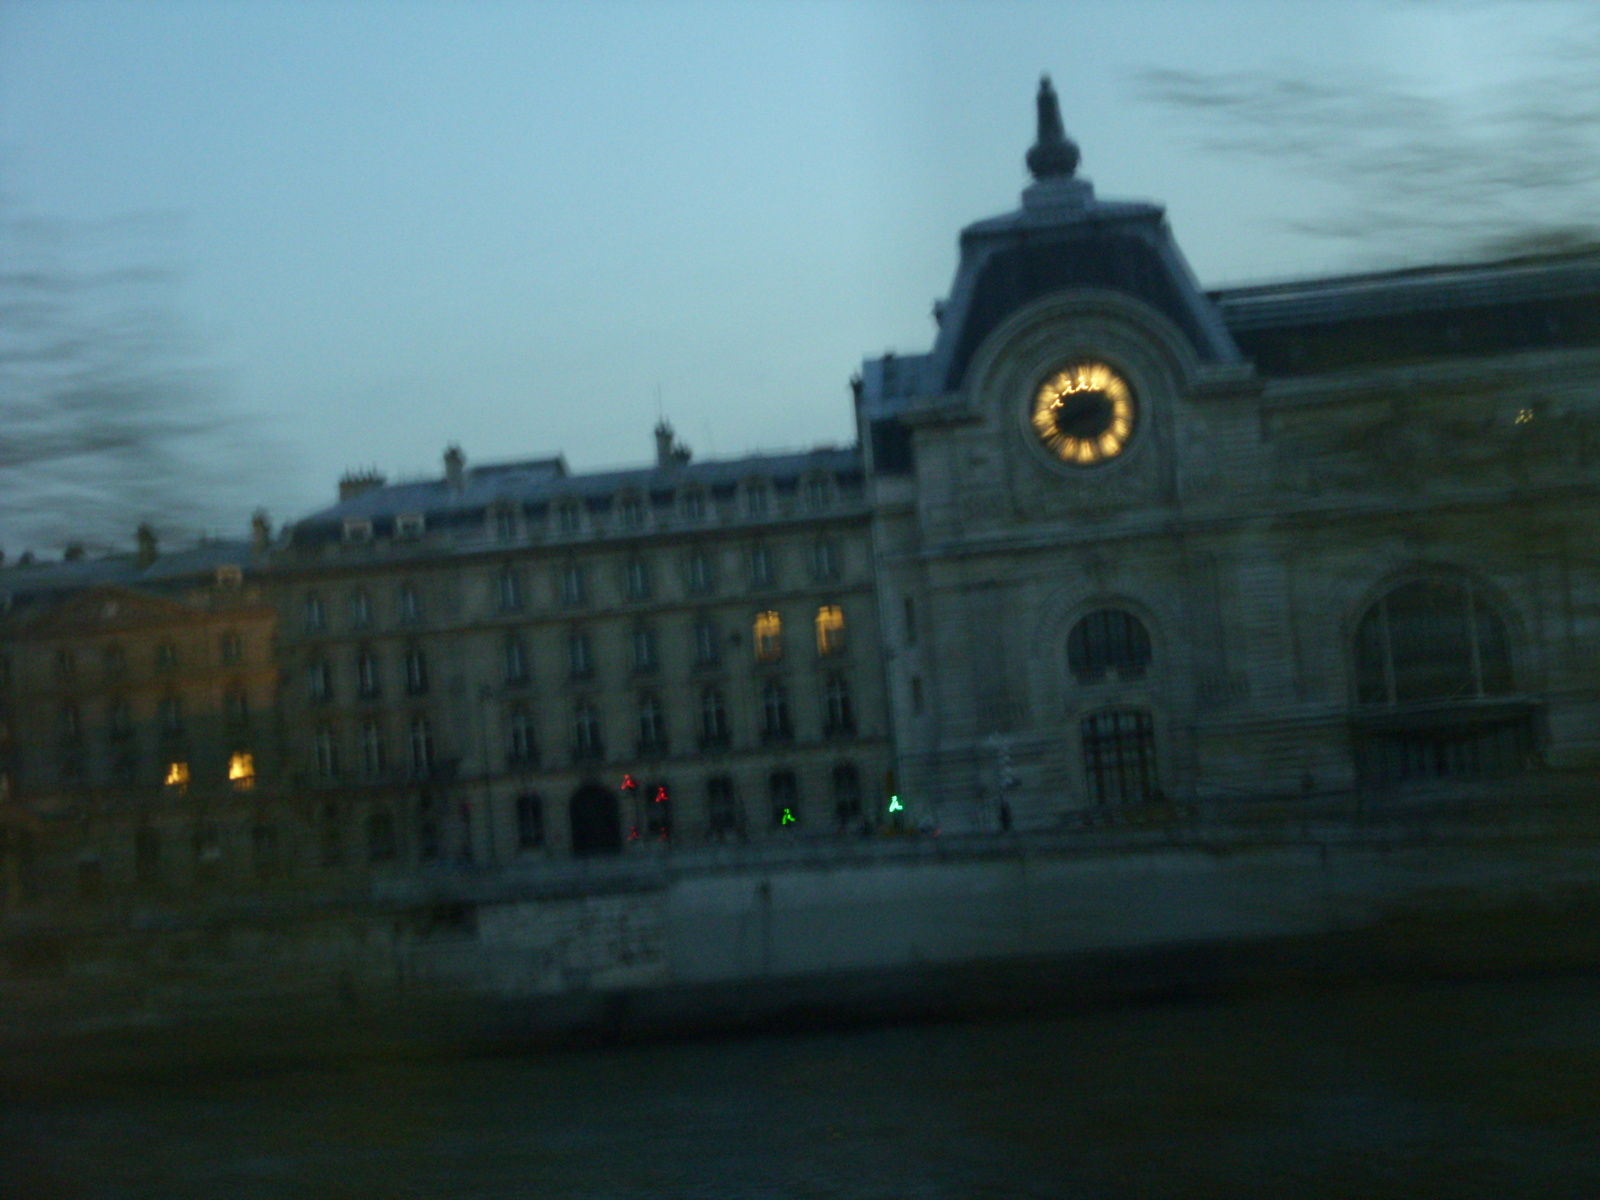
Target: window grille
[[1119, 756]]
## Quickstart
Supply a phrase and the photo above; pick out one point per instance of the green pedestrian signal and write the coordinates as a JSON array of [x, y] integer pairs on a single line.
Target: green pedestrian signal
[[895, 805]]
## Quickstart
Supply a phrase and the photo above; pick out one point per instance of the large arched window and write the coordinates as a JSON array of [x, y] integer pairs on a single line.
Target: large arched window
[[1433, 687], [1431, 640], [1109, 643]]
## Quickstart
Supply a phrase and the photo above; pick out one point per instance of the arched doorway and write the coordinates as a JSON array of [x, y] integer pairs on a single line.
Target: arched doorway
[[596, 821]]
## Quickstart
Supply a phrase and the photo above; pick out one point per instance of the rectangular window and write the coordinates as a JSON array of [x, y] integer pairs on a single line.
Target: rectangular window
[[522, 749], [586, 742], [516, 661], [910, 621], [315, 617], [510, 591], [768, 636], [530, 822], [762, 573], [783, 794], [573, 591], [236, 706], [421, 746], [166, 657], [632, 513], [637, 579], [366, 674], [580, 662], [707, 643], [652, 726], [416, 672], [755, 499], [568, 518], [702, 576], [825, 561], [775, 725], [171, 715], [830, 630], [838, 717], [319, 679], [374, 759], [360, 609], [644, 648], [713, 719], [241, 771], [721, 811], [357, 529], [505, 523], [846, 794], [232, 648], [410, 604], [694, 505], [326, 752], [408, 526]]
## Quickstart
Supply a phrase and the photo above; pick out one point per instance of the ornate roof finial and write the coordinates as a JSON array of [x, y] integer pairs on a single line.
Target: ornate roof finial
[[1053, 154]]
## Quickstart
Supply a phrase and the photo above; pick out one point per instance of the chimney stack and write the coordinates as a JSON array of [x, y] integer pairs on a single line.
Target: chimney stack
[[455, 468], [354, 483], [261, 530]]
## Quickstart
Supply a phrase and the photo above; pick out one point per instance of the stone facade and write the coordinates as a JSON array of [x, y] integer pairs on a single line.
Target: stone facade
[[511, 662], [1346, 545]]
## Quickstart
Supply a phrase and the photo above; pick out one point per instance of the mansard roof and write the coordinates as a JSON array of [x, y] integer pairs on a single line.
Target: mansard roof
[[535, 484], [1311, 326]]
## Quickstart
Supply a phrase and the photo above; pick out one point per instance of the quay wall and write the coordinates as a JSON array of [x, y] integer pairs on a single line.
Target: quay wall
[[728, 940]]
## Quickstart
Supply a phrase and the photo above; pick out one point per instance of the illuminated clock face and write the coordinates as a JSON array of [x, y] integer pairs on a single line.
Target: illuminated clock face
[[1084, 413]]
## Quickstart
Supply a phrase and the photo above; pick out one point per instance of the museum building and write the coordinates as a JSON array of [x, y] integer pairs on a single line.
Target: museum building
[[1134, 541]]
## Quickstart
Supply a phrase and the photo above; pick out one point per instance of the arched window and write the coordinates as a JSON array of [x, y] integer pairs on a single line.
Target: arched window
[[1108, 644], [1431, 658], [1431, 640]]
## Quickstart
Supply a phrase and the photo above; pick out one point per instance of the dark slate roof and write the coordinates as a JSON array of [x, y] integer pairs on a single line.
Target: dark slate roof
[[1062, 238], [23, 585], [1312, 326], [533, 484]]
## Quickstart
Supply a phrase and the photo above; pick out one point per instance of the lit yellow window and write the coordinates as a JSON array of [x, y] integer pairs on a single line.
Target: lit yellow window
[[242, 771], [178, 775], [769, 636], [830, 629]]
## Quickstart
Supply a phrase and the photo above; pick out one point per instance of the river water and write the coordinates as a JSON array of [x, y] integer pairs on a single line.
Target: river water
[[1485, 1089]]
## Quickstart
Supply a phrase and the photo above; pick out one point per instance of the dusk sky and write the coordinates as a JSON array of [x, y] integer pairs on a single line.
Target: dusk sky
[[512, 226]]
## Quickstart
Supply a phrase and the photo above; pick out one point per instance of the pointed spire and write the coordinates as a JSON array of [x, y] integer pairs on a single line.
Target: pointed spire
[[1053, 154]]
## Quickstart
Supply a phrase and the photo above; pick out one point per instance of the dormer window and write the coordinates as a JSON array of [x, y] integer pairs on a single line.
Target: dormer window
[[505, 523], [409, 525], [569, 519], [230, 578], [632, 512], [694, 505], [357, 529], [818, 493], [755, 499]]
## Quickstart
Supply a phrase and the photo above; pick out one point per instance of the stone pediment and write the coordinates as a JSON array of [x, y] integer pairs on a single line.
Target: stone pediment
[[103, 610]]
